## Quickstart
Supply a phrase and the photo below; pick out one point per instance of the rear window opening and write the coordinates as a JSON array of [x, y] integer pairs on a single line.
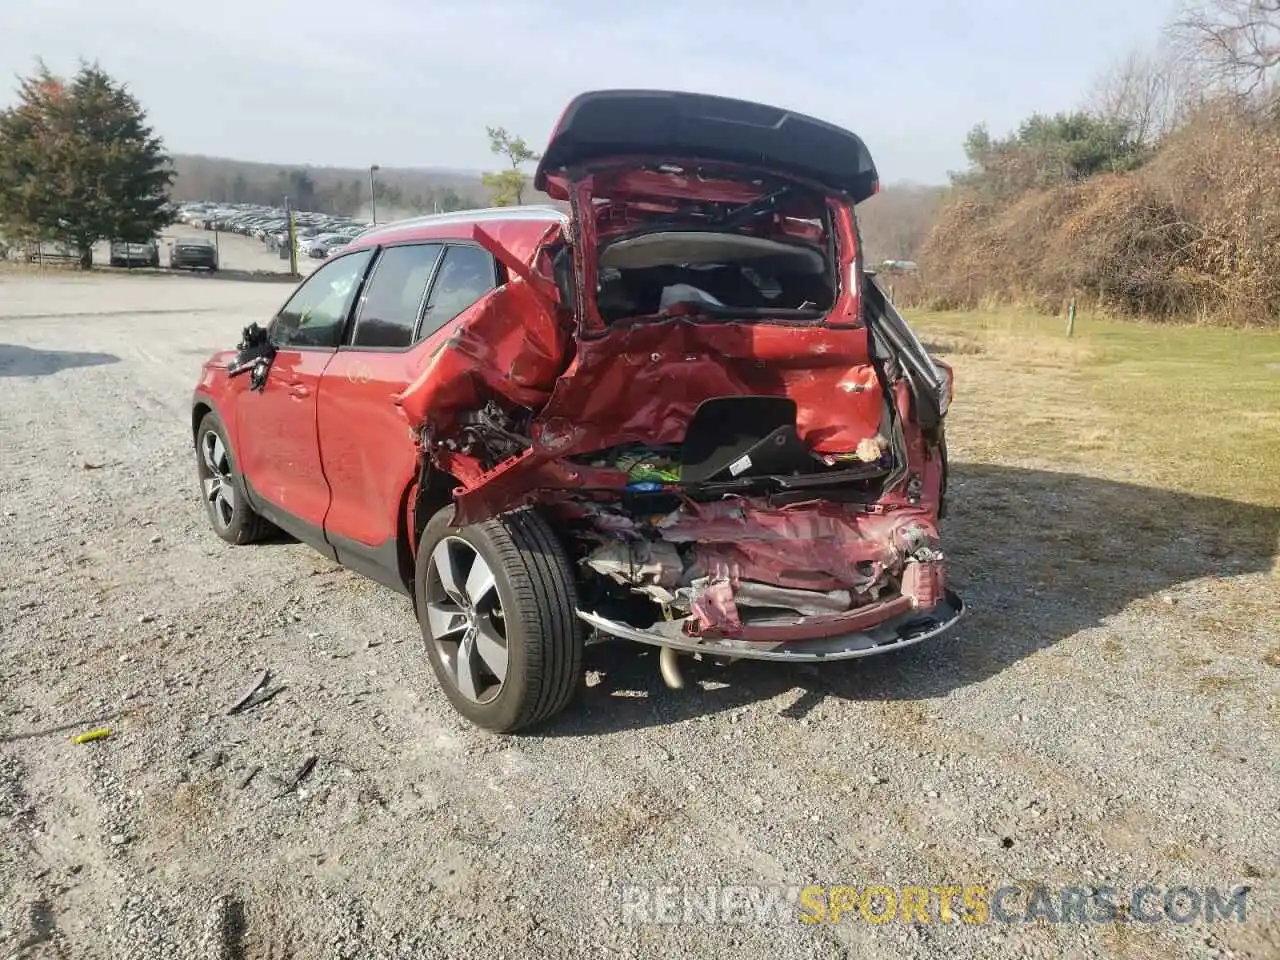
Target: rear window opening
[[716, 273], [673, 242]]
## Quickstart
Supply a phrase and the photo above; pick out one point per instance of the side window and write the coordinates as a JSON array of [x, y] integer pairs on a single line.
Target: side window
[[466, 275], [392, 300], [315, 314]]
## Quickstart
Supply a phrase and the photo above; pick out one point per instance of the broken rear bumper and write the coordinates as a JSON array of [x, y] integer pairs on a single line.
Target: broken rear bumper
[[894, 634]]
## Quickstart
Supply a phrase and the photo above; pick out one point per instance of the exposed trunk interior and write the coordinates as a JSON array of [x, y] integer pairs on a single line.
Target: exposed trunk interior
[[677, 239], [719, 274]]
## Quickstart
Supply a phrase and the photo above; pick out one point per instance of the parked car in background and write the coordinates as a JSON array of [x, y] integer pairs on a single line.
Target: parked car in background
[[193, 253], [319, 247], [135, 254], [270, 225], [690, 419]]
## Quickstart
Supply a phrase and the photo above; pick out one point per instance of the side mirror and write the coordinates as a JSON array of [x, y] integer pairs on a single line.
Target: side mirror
[[254, 354]]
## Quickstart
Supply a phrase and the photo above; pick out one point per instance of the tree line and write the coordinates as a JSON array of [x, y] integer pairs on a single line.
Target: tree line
[[79, 164]]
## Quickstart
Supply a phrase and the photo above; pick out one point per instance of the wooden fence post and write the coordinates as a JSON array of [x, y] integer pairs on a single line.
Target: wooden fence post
[[1071, 318]]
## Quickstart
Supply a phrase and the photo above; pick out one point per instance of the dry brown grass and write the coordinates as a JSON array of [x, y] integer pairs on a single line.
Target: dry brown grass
[[1192, 235], [1190, 408]]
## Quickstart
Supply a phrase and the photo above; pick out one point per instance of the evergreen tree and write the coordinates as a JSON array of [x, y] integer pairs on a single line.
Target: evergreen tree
[[79, 164]]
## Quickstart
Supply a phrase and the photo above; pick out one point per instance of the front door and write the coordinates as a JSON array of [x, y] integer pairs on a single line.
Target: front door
[[276, 425]]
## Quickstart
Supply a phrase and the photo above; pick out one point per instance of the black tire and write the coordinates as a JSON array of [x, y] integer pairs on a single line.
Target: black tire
[[537, 596], [239, 525], [115, 262]]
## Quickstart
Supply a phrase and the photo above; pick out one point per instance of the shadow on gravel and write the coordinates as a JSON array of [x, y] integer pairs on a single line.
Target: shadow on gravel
[[16, 361], [1037, 556]]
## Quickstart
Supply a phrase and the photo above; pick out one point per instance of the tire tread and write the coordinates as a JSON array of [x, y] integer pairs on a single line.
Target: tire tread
[[253, 528], [540, 574]]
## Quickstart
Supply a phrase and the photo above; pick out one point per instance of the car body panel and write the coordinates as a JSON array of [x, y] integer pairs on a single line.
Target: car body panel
[[370, 468], [896, 632], [276, 438], [641, 383], [145, 253], [197, 252], [485, 350]]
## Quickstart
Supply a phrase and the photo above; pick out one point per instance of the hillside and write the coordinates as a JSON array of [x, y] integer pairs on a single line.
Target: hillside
[[1158, 197], [1189, 229], [895, 222]]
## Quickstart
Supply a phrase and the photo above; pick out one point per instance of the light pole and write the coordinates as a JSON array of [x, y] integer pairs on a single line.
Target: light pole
[[373, 194]]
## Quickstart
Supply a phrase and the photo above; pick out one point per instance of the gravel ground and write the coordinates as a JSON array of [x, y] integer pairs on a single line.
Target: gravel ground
[[1105, 717]]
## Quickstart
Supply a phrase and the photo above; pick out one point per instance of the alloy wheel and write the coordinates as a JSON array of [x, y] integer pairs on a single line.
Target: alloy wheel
[[465, 619], [219, 487]]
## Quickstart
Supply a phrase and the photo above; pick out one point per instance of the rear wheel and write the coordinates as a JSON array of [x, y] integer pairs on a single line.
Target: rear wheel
[[496, 603], [222, 489]]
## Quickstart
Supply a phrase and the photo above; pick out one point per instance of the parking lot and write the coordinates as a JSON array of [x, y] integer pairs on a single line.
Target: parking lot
[[239, 257], [236, 253], [1092, 724]]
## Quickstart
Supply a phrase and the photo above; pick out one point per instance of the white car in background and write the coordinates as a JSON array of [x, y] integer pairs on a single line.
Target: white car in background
[[320, 246]]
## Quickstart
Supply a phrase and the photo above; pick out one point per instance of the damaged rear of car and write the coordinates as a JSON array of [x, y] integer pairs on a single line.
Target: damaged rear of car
[[736, 438]]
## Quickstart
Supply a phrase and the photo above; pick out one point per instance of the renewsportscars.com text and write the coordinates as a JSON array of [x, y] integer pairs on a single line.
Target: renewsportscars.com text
[[946, 903]]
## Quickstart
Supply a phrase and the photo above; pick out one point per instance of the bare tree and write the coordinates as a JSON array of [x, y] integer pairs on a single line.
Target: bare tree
[[1145, 90], [1234, 44]]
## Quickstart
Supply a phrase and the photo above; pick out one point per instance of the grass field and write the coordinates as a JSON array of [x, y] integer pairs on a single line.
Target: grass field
[[1193, 410]]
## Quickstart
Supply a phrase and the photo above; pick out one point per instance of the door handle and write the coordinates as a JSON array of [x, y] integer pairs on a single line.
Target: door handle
[[299, 391]]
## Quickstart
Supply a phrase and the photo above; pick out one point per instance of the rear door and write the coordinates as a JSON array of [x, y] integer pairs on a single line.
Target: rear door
[[276, 426], [369, 455]]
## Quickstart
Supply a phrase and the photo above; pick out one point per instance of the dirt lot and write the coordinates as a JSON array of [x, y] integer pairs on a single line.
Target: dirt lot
[[1106, 717]]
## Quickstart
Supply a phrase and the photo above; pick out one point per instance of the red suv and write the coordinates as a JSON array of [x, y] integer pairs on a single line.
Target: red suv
[[680, 413]]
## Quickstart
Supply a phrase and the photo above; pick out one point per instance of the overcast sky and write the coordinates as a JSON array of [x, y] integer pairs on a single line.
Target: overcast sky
[[413, 82]]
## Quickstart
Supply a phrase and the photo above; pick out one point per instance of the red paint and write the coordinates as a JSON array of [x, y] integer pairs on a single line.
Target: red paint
[[369, 468], [816, 628], [275, 433], [484, 349]]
